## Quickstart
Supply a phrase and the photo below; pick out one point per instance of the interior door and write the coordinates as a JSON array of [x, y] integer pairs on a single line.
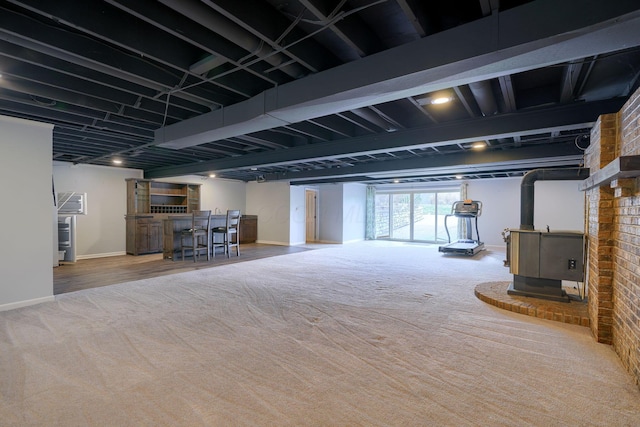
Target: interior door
[[311, 208]]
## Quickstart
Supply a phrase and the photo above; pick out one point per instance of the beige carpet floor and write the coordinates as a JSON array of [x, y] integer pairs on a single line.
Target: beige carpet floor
[[365, 334]]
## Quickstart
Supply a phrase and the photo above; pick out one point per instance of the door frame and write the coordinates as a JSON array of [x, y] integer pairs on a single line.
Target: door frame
[[311, 215]]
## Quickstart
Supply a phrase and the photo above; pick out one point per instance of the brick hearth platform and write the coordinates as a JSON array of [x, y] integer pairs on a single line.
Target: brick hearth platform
[[495, 293]]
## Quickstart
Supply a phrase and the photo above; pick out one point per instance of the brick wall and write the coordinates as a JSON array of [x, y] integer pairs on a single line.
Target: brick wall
[[626, 291], [600, 216], [614, 238]]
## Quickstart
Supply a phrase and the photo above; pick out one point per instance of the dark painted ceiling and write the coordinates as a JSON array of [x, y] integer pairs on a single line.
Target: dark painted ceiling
[[319, 90]]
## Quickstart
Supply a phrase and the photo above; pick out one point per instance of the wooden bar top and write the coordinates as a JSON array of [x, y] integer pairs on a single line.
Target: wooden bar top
[[172, 226]]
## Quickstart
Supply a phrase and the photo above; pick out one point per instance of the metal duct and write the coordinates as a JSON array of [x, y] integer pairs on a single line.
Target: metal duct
[[484, 97], [527, 189], [204, 16]]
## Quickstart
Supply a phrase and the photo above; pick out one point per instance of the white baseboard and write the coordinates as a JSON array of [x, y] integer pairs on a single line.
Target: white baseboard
[[103, 255], [268, 242], [26, 303]]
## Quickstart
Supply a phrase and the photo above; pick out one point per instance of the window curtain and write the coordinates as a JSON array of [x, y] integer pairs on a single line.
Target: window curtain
[[370, 220]]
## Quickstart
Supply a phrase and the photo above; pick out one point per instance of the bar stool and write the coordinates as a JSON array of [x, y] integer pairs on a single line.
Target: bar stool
[[230, 232], [197, 237]]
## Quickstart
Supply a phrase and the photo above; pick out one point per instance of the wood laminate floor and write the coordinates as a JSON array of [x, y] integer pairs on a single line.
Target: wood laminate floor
[[96, 272]]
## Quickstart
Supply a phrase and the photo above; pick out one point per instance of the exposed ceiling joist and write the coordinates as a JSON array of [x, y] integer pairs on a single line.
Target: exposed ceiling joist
[[473, 55], [529, 122], [451, 163]]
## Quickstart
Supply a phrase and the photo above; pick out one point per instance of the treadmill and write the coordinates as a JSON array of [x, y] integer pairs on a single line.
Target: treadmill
[[468, 210]]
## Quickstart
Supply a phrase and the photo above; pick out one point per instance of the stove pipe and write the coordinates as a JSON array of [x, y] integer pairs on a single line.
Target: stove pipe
[[527, 188]]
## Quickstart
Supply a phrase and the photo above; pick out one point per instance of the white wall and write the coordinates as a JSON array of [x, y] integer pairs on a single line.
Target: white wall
[[500, 207], [297, 226], [354, 212], [271, 201], [342, 212], [102, 231], [330, 217], [558, 204], [26, 272]]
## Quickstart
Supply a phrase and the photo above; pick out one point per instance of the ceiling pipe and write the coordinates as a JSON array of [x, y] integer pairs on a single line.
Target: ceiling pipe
[[484, 97], [527, 189], [211, 20]]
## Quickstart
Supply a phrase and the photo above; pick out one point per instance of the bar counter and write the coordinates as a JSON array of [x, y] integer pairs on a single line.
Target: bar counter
[[173, 225]]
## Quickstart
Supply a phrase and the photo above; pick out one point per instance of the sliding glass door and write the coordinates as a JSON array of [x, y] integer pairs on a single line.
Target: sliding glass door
[[401, 216], [424, 210], [415, 216], [382, 216], [445, 202]]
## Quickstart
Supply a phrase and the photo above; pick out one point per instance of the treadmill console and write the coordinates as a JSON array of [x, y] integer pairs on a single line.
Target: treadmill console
[[464, 208]]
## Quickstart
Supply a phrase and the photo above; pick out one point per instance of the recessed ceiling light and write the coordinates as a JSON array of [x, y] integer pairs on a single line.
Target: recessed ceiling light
[[212, 175], [479, 145], [117, 161], [396, 181], [458, 176], [254, 169], [440, 100]]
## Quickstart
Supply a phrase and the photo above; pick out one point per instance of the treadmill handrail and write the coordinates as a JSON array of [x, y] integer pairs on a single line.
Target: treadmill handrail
[[447, 228]]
